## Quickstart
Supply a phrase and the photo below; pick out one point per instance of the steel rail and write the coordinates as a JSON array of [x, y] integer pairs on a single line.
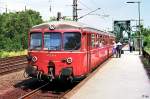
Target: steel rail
[[32, 92]]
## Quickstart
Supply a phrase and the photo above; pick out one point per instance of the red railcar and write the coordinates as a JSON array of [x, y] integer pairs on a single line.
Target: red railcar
[[66, 50]]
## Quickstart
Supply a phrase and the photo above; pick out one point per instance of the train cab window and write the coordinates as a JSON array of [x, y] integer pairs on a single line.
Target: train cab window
[[72, 40], [52, 40], [36, 40]]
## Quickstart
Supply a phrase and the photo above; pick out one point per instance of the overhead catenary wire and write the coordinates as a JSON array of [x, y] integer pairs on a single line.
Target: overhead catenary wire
[[95, 5], [89, 13], [85, 5]]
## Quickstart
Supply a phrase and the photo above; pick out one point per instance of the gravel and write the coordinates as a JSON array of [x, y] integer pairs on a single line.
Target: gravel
[[8, 81]]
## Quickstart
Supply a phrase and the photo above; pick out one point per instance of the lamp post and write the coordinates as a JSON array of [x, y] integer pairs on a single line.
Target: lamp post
[[139, 27]]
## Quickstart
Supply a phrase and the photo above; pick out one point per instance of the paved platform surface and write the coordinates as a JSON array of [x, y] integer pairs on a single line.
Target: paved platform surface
[[120, 78]]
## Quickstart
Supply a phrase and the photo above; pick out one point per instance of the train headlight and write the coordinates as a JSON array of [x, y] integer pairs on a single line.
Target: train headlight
[[69, 60], [34, 58]]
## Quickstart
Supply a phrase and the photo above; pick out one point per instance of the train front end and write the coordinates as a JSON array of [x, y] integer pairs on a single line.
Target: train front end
[[53, 53]]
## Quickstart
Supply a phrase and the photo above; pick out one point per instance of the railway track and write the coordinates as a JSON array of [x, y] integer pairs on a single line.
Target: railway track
[[51, 91], [11, 64], [48, 93], [30, 94], [34, 89]]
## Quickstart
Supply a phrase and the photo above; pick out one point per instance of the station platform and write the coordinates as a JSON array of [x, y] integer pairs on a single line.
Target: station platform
[[119, 78]]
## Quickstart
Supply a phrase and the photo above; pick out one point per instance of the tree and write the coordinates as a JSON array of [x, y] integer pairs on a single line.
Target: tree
[[65, 18], [146, 36], [14, 28]]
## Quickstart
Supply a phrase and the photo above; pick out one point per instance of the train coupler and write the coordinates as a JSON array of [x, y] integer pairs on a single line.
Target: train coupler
[[51, 74]]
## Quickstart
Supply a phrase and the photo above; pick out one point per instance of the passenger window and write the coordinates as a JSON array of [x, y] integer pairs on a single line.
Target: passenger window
[[97, 41], [101, 41], [105, 40], [93, 40]]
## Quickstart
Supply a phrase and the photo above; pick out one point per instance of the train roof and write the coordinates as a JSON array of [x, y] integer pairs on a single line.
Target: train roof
[[69, 25], [60, 25]]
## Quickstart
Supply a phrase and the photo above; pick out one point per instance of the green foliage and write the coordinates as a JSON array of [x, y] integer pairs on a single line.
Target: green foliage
[[63, 18], [145, 32], [14, 29], [146, 62], [146, 35], [53, 19], [67, 18], [146, 38]]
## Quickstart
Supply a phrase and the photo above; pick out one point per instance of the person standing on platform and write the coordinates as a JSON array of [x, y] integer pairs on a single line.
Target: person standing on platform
[[131, 46], [114, 48], [118, 48]]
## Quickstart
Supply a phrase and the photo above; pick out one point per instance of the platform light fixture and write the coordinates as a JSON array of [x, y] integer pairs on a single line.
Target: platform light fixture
[[139, 27]]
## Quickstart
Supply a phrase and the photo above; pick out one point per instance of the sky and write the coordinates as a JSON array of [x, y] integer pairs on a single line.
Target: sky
[[112, 9]]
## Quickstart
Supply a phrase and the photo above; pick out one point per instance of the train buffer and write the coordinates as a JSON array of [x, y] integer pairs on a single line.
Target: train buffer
[[118, 78]]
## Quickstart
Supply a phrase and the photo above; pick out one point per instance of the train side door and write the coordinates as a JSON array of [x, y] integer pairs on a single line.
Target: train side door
[[88, 52]]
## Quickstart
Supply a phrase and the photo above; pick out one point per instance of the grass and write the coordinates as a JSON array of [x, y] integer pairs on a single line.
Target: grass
[[4, 54], [146, 62], [147, 49]]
